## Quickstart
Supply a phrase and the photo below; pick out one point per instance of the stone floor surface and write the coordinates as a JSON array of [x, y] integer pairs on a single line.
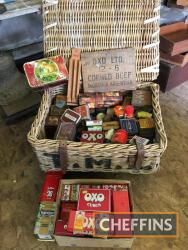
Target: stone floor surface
[[21, 180]]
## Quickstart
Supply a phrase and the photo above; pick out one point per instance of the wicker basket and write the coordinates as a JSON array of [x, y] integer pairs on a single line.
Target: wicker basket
[[102, 24], [93, 156], [96, 25]]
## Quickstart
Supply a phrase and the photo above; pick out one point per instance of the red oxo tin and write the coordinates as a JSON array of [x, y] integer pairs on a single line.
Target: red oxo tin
[[94, 200]]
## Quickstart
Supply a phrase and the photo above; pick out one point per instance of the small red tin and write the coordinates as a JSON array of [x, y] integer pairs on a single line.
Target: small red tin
[[50, 186], [46, 71], [61, 226], [92, 136], [94, 200], [120, 200]]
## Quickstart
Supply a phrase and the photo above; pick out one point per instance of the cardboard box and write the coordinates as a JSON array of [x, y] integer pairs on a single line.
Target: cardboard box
[[68, 241], [174, 38]]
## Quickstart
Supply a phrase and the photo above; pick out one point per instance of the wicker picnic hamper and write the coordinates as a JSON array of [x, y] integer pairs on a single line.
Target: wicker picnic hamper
[[97, 25]]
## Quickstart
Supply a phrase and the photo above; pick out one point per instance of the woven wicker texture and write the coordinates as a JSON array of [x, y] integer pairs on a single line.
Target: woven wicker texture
[[92, 156], [98, 25], [102, 24]]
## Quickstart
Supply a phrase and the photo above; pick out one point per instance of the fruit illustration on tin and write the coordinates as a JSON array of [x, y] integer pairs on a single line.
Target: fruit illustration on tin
[[46, 71]]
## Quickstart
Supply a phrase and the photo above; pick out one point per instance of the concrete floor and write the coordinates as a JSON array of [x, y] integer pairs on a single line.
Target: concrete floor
[[21, 180]]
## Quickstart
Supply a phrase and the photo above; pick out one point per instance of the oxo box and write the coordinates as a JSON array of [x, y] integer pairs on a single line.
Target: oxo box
[[94, 200]]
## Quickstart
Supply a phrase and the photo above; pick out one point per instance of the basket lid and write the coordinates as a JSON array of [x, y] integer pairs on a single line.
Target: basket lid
[[93, 25]]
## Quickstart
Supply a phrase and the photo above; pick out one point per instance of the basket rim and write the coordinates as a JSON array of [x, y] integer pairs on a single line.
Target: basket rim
[[51, 142]]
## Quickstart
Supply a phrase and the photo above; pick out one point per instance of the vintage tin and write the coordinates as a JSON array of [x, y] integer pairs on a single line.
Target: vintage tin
[[147, 128], [50, 186], [70, 116], [94, 200], [87, 100], [101, 100], [46, 71], [110, 125], [44, 228], [66, 191], [74, 192], [76, 222], [120, 201], [66, 131], [88, 223], [130, 126], [146, 123], [95, 128], [55, 111], [84, 223], [47, 208], [83, 111], [61, 226], [92, 136], [142, 98], [94, 123]]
